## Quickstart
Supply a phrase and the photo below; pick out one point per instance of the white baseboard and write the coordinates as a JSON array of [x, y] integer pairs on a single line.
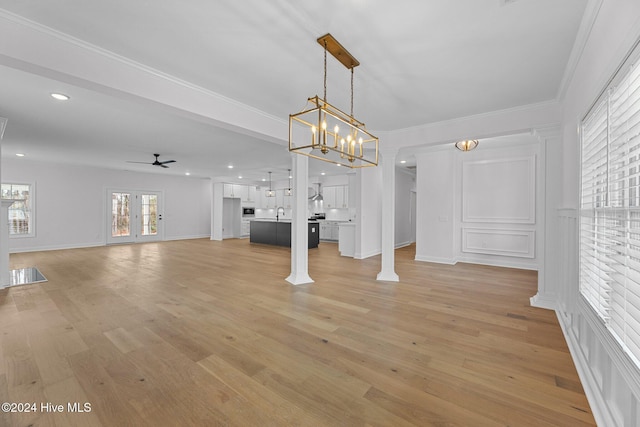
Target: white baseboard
[[402, 245], [91, 244], [367, 254], [438, 260], [544, 301], [194, 236], [499, 263], [55, 247]]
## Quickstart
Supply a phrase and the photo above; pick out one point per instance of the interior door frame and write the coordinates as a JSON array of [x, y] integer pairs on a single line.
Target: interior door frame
[[134, 209]]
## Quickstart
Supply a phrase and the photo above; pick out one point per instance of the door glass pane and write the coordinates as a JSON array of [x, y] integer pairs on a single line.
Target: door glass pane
[[19, 211], [149, 215], [120, 203]]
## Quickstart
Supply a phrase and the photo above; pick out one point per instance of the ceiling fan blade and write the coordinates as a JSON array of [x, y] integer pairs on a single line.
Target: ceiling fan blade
[[163, 166], [167, 161]]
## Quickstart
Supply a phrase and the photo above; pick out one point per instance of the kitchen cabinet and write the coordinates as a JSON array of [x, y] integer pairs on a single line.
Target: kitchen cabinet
[[245, 228], [227, 190], [251, 194], [336, 196], [239, 191], [329, 230], [279, 233]]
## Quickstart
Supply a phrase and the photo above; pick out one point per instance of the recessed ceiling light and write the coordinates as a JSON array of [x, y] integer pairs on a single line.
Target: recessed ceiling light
[[322, 173], [290, 177], [403, 161], [60, 96], [20, 154], [240, 177], [187, 173], [338, 164], [264, 179], [230, 166]]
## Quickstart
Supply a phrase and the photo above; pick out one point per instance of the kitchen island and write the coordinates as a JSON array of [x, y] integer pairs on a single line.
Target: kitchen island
[[278, 233]]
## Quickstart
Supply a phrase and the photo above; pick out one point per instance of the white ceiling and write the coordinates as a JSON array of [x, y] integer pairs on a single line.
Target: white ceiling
[[421, 62]]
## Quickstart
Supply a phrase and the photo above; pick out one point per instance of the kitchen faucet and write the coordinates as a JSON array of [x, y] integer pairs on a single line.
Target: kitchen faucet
[[278, 213]]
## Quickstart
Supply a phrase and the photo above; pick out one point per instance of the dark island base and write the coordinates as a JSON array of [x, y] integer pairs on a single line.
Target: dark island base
[[279, 233]]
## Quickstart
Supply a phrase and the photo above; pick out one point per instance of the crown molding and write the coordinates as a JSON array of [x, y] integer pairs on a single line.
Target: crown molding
[[66, 38], [489, 114], [584, 31]]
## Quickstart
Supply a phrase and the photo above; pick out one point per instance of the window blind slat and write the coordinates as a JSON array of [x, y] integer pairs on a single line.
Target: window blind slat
[[609, 217]]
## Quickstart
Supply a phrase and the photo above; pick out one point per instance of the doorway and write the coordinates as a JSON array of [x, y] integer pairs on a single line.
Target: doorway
[[134, 216]]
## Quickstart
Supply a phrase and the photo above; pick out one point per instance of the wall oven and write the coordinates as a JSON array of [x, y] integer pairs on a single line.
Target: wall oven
[[248, 212]]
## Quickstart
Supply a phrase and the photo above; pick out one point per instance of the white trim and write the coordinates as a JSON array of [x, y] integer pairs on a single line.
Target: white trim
[[34, 214], [597, 400], [530, 251], [488, 114], [126, 61], [584, 31], [498, 263], [549, 302], [189, 237], [402, 245], [368, 254], [530, 218], [57, 247], [99, 244], [437, 260], [620, 360]]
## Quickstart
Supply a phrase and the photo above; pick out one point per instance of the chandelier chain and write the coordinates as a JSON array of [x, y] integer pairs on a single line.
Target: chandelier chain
[[325, 70], [351, 91]]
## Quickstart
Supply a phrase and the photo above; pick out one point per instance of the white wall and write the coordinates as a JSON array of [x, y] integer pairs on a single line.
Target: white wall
[[482, 206], [71, 203], [435, 189], [368, 182], [405, 183], [611, 381]]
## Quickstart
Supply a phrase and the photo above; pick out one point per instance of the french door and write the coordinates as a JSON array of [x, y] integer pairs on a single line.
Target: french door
[[134, 216]]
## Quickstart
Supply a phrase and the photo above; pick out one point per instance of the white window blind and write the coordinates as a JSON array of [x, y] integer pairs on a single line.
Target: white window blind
[[610, 210]]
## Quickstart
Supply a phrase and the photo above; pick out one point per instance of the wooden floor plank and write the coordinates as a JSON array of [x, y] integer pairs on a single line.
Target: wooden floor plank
[[206, 333]]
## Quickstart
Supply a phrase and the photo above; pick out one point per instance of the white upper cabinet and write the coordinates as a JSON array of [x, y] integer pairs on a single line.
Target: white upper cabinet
[[336, 196], [227, 190], [246, 193], [251, 194]]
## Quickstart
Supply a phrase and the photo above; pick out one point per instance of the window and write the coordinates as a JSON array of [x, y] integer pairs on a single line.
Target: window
[[20, 212], [610, 209]]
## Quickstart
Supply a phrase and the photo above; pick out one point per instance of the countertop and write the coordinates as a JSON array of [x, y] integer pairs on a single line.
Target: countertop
[[282, 220]]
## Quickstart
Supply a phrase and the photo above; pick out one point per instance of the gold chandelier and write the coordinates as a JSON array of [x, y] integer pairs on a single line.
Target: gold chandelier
[[467, 145], [324, 132]]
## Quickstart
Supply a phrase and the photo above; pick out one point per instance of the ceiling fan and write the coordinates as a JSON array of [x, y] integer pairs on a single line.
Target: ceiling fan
[[156, 162]]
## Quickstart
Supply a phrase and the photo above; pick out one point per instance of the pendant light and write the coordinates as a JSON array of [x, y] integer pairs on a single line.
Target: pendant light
[[270, 192]]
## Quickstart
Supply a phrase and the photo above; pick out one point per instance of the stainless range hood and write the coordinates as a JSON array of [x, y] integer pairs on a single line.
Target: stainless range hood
[[318, 196]]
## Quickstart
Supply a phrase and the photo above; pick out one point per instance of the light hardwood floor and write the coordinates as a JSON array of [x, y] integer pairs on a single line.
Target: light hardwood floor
[[202, 333]]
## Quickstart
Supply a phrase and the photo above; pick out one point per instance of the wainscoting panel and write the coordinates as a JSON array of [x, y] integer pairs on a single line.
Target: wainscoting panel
[[513, 243], [499, 191], [611, 380]]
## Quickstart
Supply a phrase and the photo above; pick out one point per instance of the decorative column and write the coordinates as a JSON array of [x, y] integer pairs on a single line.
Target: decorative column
[[216, 210], [388, 272], [299, 222], [549, 232]]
